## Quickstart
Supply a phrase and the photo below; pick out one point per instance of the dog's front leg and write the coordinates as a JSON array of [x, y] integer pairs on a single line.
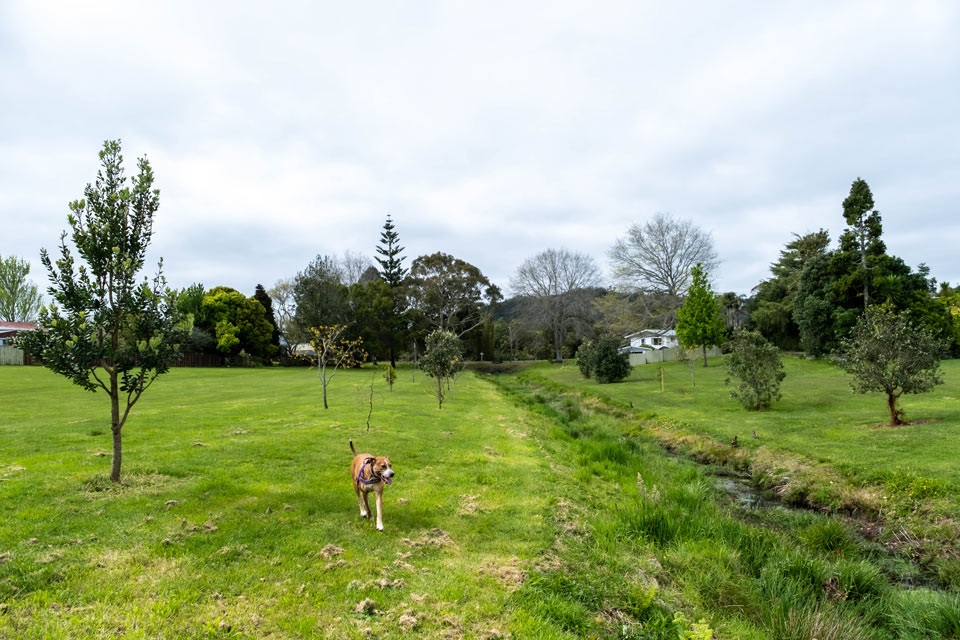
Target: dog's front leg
[[362, 503], [379, 511]]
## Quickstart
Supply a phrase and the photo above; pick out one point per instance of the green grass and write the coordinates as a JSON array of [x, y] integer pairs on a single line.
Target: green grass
[[524, 508], [236, 512], [818, 419]]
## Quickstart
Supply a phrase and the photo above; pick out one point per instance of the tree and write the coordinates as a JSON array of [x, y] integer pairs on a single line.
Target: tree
[[558, 287], [773, 310], [732, 304], [239, 324], [608, 363], [586, 358], [698, 321], [442, 360], [284, 309], [320, 295], [391, 262], [860, 244], [107, 329], [260, 295], [332, 349], [886, 352], [19, 298], [658, 256], [393, 274], [757, 364], [450, 294]]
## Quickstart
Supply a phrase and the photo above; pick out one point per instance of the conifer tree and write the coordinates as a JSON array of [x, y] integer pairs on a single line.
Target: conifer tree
[[699, 322], [394, 274], [391, 264]]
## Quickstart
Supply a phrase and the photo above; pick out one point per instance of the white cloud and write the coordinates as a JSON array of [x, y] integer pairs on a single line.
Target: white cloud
[[489, 131]]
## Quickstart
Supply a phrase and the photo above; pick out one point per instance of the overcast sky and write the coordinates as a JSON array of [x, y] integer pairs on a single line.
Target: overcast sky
[[488, 130]]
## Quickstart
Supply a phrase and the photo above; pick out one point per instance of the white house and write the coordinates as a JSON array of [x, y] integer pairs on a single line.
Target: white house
[[653, 339]]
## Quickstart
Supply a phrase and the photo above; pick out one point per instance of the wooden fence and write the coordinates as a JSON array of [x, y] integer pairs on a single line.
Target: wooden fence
[[668, 355], [11, 355]]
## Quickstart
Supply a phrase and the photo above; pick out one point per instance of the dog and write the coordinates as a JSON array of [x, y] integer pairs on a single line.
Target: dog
[[370, 473]]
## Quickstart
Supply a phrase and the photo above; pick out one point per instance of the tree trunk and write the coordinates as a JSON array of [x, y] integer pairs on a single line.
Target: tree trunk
[[115, 427], [704, 354], [895, 420]]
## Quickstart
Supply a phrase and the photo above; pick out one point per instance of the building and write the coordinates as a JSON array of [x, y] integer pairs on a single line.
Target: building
[[9, 331], [653, 339]]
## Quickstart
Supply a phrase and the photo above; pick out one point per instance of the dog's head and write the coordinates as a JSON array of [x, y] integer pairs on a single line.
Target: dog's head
[[381, 467]]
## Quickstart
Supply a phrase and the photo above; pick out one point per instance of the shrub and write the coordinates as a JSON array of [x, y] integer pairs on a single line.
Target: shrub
[[585, 359], [756, 363], [609, 365]]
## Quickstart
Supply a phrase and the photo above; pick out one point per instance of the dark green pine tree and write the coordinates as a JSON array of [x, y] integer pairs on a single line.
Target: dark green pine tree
[[393, 273], [391, 264]]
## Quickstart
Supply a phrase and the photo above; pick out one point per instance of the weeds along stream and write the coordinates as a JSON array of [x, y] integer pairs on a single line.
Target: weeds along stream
[[652, 544]]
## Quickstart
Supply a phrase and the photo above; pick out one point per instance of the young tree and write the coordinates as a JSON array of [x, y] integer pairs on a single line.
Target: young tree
[[586, 358], [107, 329], [658, 256], [699, 322], [558, 287], [332, 349], [756, 363], [442, 360], [19, 298], [886, 352]]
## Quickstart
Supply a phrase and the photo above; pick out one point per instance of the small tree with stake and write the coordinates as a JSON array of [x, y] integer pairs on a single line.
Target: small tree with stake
[[332, 349], [886, 352], [107, 329]]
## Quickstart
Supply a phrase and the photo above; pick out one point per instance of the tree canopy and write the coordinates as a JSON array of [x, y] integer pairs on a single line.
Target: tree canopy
[[659, 255], [558, 287], [450, 294], [20, 299]]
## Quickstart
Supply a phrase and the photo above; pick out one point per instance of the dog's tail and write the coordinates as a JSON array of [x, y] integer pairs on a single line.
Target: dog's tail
[[352, 449]]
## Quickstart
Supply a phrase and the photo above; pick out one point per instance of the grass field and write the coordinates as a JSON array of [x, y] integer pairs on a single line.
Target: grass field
[[236, 512], [818, 417], [521, 509]]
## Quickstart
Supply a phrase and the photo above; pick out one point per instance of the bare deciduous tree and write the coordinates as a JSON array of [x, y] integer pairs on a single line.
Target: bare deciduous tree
[[658, 256], [557, 284]]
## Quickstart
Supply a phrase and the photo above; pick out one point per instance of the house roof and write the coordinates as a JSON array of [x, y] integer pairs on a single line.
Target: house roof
[[13, 328], [664, 333]]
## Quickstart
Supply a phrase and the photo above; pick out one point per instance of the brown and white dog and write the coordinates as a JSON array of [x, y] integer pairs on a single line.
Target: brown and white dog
[[370, 473]]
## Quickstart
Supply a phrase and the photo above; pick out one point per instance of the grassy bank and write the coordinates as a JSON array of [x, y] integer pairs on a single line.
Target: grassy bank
[[821, 446]]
